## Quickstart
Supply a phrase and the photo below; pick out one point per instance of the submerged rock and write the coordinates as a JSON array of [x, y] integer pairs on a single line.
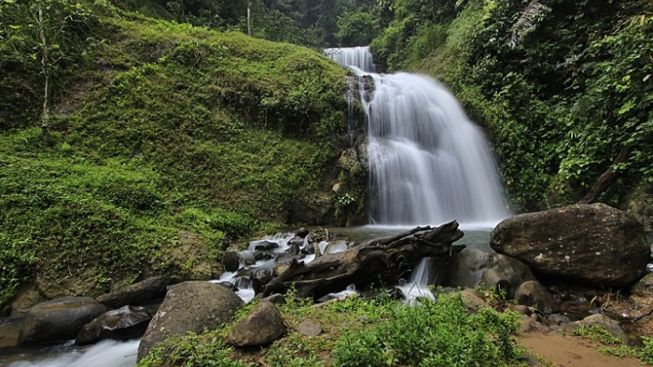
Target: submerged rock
[[126, 323], [592, 244], [137, 294], [58, 320], [266, 246], [473, 267], [190, 307], [532, 293], [261, 327]]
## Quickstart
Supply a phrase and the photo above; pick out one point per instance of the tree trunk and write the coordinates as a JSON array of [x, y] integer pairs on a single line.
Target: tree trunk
[[45, 70], [380, 261], [249, 18], [606, 179]]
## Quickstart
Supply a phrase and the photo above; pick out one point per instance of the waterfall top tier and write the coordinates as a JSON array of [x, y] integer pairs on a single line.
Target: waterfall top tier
[[428, 162], [357, 57]]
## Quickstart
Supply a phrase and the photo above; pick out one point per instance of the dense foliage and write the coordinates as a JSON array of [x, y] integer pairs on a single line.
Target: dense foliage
[[166, 141], [563, 87]]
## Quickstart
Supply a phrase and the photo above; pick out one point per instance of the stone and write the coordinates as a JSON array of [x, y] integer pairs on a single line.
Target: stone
[[140, 293], [599, 320], [532, 293], [260, 278], [309, 328], [302, 233], [266, 246], [261, 327], [531, 324], [126, 323], [190, 307], [557, 320], [277, 299], [473, 302], [644, 287], [593, 244], [473, 267], [231, 261], [58, 320]]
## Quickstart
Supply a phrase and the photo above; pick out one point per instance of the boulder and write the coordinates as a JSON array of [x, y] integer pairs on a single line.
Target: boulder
[[532, 293], [473, 267], [592, 244], [190, 307], [261, 327], [231, 261], [137, 294], [58, 320], [126, 323]]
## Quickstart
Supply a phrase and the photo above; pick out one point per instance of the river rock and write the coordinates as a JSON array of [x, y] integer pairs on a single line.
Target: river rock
[[302, 233], [190, 307], [473, 267], [261, 327], [58, 320], [137, 294], [126, 323], [231, 261], [260, 278], [532, 293], [266, 246], [593, 244]]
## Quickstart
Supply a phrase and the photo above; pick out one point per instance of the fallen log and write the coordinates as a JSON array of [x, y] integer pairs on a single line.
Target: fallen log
[[379, 261]]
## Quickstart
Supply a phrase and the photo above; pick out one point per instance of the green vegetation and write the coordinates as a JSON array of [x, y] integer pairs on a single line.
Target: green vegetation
[[359, 332], [614, 346], [562, 92], [166, 141]]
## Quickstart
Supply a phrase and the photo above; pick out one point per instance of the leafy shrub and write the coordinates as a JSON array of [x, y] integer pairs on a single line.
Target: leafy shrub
[[439, 333]]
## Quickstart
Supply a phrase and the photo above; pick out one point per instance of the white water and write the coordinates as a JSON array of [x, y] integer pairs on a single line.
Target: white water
[[429, 163], [418, 286], [103, 354]]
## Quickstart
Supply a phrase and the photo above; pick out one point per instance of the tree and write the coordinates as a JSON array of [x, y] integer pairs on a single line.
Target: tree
[[249, 18], [41, 31]]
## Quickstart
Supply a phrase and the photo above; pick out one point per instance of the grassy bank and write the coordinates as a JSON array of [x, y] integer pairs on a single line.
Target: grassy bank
[[166, 142]]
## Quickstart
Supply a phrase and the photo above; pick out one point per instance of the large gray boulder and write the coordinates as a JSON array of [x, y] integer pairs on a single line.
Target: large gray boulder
[[261, 327], [473, 267], [190, 307], [592, 244], [137, 294], [129, 322], [58, 320]]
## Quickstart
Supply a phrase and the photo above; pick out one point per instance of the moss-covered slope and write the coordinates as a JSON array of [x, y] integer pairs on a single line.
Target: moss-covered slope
[[166, 141]]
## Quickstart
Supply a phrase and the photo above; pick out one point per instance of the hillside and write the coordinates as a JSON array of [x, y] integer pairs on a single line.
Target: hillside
[[166, 140]]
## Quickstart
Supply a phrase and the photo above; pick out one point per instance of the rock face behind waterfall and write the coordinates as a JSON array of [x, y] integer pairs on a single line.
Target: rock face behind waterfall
[[592, 244], [189, 306]]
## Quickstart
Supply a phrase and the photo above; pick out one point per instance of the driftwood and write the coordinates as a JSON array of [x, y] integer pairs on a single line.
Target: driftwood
[[378, 261]]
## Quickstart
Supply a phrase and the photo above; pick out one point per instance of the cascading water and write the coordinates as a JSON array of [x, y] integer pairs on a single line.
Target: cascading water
[[429, 163]]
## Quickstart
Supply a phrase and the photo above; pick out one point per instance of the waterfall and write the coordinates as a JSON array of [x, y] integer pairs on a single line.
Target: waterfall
[[428, 162], [418, 286]]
